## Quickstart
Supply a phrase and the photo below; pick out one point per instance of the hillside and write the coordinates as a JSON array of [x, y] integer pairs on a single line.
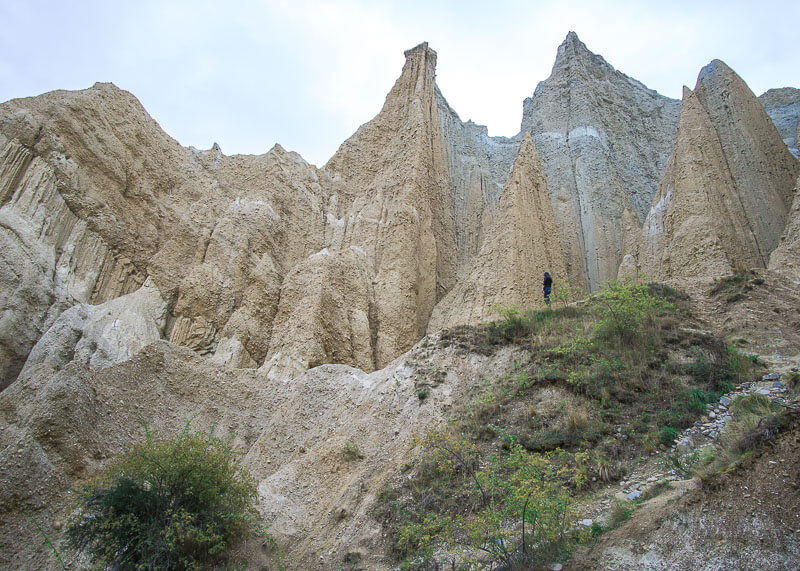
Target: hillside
[[307, 311]]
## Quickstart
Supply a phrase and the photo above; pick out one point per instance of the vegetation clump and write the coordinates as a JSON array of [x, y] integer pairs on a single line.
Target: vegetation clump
[[736, 286], [519, 504], [593, 387], [756, 421], [167, 503]]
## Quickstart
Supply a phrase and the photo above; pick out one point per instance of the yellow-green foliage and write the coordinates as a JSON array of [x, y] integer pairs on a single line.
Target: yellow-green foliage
[[174, 503], [519, 503], [624, 308], [352, 452]]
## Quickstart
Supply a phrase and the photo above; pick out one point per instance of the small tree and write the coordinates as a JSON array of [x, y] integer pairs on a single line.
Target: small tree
[[174, 503], [624, 308], [521, 510]]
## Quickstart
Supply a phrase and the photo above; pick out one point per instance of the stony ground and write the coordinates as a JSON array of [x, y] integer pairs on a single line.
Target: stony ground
[[747, 518]]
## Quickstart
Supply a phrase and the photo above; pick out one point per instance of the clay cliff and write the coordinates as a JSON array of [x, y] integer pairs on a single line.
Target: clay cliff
[[522, 243], [139, 277], [604, 140], [97, 198], [783, 107], [725, 197]]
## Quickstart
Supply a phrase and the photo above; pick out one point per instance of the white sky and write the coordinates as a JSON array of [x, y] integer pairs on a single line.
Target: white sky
[[306, 74]]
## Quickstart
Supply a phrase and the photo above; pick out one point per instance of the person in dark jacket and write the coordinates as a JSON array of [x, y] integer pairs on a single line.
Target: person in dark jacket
[[547, 286]]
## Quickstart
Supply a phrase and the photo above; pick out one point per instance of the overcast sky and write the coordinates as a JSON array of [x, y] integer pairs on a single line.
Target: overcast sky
[[306, 74]]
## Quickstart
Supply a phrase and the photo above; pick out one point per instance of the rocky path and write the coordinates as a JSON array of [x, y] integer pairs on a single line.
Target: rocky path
[[656, 471]]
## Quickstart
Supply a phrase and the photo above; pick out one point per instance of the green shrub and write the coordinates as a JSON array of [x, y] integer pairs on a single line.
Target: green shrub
[[511, 327], [734, 297], [624, 308], [667, 435], [620, 513], [732, 283], [514, 507], [176, 503]]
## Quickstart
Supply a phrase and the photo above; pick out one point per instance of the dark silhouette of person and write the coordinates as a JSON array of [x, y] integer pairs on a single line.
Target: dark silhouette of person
[[547, 286]]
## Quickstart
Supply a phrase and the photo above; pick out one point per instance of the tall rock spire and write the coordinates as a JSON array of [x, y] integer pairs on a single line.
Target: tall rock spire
[[521, 243], [604, 140], [725, 196], [761, 165], [402, 210]]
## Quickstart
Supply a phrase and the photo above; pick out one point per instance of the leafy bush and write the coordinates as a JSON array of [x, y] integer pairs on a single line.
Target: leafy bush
[[667, 435], [174, 503], [511, 327], [734, 283], [521, 508], [624, 308], [757, 420], [620, 513]]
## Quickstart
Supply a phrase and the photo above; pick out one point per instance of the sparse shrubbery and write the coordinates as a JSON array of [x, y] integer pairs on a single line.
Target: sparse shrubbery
[[352, 452], [167, 503], [593, 387], [756, 421], [518, 505]]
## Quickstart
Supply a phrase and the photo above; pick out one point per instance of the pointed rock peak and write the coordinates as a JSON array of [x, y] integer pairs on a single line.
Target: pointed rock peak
[[527, 143], [717, 68], [527, 151], [687, 93], [419, 49], [573, 47], [421, 56], [107, 85], [572, 39]]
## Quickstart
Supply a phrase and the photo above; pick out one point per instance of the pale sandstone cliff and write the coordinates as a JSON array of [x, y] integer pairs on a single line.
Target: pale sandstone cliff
[[521, 244], [95, 198], [402, 217], [724, 200], [762, 167], [604, 140], [785, 258], [118, 246]]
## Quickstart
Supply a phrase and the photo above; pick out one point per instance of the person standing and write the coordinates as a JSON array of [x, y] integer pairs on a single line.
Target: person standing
[[547, 286]]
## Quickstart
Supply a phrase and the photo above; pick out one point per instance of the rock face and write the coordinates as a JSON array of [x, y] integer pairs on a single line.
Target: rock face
[[785, 258], [479, 166], [725, 196], [325, 315], [783, 107], [138, 277], [521, 243], [100, 336], [52, 259], [58, 428], [604, 140], [96, 198], [403, 216]]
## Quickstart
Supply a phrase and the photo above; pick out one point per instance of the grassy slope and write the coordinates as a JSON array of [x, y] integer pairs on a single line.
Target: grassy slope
[[592, 387]]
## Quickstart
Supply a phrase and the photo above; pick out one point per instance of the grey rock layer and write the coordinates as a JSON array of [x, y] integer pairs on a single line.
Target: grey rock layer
[[521, 243], [783, 107], [604, 141]]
